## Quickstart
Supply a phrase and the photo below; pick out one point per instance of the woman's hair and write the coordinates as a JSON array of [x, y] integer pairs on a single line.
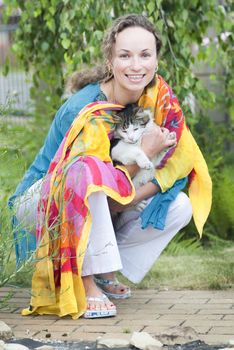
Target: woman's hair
[[103, 73]]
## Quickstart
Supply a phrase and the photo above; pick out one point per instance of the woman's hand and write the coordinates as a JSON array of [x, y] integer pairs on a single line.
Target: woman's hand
[[156, 140]]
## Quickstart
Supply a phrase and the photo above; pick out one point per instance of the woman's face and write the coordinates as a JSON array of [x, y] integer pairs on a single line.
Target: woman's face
[[134, 59]]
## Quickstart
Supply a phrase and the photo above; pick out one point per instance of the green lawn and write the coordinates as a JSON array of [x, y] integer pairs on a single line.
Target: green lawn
[[209, 268]]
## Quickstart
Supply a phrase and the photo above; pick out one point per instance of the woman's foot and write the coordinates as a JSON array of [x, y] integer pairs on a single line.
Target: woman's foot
[[109, 284], [98, 305]]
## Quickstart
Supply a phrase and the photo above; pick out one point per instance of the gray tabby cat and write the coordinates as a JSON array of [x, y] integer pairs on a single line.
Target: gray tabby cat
[[132, 123]]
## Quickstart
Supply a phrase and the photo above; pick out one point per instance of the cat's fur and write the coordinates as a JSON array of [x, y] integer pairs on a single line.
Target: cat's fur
[[131, 124]]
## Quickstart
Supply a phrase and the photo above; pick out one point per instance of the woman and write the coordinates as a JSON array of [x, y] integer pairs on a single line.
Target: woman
[[81, 272]]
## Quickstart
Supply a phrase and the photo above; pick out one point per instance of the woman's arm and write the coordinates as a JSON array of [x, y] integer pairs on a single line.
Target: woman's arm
[[144, 192]]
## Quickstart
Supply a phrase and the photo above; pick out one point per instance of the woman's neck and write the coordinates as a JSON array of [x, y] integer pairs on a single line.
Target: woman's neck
[[119, 95]]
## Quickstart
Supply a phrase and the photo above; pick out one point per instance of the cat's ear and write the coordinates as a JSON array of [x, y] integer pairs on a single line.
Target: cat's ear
[[149, 112], [117, 118], [138, 109]]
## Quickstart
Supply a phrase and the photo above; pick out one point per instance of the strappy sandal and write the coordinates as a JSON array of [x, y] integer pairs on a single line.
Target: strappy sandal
[[102, 283], [99, 313]]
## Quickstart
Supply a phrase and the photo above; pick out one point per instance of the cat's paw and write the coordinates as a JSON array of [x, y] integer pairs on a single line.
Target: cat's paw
[[145, 164], [141, 205], [172, 135]]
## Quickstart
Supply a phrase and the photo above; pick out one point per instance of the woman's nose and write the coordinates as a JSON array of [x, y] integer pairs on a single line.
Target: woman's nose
[[135, 64]]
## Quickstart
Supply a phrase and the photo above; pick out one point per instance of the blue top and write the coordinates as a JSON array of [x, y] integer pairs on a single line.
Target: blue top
[[61, 123]]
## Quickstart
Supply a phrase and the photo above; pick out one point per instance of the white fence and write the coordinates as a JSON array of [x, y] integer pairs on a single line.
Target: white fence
[[15, 86]]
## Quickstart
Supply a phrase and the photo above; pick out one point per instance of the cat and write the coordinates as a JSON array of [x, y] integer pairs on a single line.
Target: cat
[[132, 123]]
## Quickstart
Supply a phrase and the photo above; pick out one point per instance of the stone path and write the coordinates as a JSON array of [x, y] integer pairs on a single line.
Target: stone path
[[209, 313]]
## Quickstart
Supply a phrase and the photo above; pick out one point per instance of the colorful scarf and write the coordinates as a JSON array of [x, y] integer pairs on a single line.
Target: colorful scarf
[[186, 158], [81, 166]]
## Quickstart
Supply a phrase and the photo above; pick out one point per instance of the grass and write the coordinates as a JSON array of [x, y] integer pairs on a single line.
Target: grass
[[202, 269], [185, 263]]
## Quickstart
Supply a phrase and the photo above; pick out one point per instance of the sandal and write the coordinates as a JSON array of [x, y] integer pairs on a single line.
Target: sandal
[[89, 313], [102, 283]]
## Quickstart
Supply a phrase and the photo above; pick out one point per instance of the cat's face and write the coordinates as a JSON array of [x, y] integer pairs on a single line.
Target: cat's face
[[131, 123]]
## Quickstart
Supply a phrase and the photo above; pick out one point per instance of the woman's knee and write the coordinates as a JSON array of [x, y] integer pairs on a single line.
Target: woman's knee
[[183, 208]]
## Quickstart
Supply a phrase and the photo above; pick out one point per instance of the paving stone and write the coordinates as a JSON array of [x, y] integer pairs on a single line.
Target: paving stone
[[214, 311], [84, 336], [222, 301], [215, 339], [219, 323], [109, 329], [150, 322], [182, 311], [228, 317], [222, 330], [197, 329], [111, 321]]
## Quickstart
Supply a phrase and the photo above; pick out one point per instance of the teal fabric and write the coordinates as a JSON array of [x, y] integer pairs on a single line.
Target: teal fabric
[[156, 211]]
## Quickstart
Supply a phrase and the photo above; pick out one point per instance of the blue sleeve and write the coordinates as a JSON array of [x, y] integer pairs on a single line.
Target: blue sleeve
[[61, 123]]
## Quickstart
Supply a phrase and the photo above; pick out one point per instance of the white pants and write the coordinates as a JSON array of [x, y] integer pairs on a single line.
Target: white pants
[[127, 248]]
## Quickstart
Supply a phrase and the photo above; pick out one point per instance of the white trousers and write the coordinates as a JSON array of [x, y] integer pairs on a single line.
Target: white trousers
[[124, 246]]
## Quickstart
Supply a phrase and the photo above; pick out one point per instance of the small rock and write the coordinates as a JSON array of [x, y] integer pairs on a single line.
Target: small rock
[[15, 347], [5, 331], [155, 347], [142, 340], [113, 342], [2, 345], [178, 335], [45, 347]]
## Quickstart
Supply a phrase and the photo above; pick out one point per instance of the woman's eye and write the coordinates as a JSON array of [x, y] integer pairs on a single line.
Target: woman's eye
[[146, 54], [124, 55]]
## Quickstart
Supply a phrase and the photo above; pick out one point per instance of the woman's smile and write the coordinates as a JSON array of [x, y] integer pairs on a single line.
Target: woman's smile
[[135, 78]]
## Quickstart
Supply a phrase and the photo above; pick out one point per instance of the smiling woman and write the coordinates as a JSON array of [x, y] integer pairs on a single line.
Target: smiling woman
[[68, 196], [133, 65]]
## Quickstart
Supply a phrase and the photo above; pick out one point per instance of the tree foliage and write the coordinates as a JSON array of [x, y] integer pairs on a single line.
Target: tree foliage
[[56, 37]]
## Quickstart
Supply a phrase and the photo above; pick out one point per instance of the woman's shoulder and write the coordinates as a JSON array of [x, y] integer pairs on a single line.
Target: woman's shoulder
[[76, 102], [86, 95], [70, 109]]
